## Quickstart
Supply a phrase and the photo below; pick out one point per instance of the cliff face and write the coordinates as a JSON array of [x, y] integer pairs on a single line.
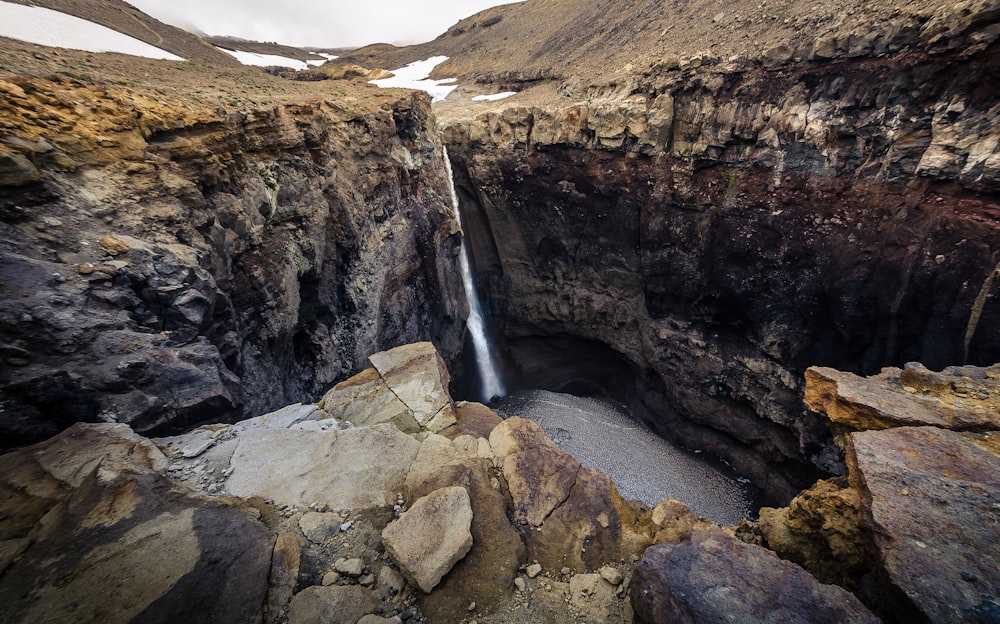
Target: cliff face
[[715, 229], [164, 262]]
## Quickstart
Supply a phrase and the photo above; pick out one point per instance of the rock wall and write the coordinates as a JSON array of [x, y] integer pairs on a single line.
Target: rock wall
[[167, 263], [720, 226]]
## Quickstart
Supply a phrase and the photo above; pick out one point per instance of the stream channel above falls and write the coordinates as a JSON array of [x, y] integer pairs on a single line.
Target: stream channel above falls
[[603, 435]]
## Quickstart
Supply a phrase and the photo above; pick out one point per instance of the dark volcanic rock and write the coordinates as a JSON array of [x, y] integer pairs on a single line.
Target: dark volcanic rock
[[932, 498], [712, 577], [714, 232], [198, 265]]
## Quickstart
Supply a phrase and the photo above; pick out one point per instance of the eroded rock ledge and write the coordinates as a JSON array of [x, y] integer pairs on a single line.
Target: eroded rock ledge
[[165, 263], [302, 516]]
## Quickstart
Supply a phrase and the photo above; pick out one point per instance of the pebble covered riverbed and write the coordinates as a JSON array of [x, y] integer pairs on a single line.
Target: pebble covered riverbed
[[604, 436]]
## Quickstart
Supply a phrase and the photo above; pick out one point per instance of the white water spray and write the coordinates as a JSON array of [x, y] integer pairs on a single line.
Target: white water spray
[[491, 384]]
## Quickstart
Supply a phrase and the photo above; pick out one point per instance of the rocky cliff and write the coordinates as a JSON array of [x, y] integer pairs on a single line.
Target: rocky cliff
[[178, 255], [713, 226]]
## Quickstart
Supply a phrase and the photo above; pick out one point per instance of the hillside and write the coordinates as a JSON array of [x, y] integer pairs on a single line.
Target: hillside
[[129, 20], [553, 39]]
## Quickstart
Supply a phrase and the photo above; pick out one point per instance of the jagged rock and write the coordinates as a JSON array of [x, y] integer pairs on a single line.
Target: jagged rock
[[430, 538], [959, 398], [354, 468], [931, 497], [318, 527], [416, 374], [476, 419], [285, 560], [334, 604], [391, 579], [539, 473], [822, 531], [712, 577], [365, 399]]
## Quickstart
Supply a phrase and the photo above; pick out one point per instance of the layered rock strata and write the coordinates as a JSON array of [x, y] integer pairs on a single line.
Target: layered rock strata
[[164, 263], [713, 228]]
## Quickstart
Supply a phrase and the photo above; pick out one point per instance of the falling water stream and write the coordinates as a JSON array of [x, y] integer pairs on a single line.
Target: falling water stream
[[491, 383]]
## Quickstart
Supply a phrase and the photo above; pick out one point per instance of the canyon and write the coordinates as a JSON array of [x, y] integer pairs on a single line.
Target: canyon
[[727, 239]]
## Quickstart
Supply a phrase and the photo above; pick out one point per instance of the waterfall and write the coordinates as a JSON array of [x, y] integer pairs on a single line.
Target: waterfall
[[491, 384]]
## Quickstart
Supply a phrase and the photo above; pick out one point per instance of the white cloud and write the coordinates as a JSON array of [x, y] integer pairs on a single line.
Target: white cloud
[[315, 22]]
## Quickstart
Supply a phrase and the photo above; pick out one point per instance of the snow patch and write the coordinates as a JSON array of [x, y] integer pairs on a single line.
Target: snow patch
[[52, 28], [416, 75], [268, 60], [495, 96]]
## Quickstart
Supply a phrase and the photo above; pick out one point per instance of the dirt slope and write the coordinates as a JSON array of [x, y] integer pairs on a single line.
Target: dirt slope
[[542, 39]]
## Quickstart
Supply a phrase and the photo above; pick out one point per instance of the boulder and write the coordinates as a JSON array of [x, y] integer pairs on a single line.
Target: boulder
[[821, 530], [319, 527], [334, 604], [485, 574], [575, 515], [712, 577], [365, 399], [169, 557], [430, 538], [417, 375], [355, 468], [931, 498]]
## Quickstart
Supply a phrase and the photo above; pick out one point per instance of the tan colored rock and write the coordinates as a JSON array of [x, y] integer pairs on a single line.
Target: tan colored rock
[[416, 374], [821, 530], [575, 516], [539, 474], [485, 574], [957, 398], [355, 468], [365, 399], [476, 419], [285, 560], [430, 538], [673, 519], [334, 604], [114, 246]]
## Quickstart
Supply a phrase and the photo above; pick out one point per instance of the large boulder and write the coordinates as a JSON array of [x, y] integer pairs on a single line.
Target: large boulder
[[574, 515], [111, 520], [932, 499], [332, 605], [430, 538], [713, 577], [354, 468]]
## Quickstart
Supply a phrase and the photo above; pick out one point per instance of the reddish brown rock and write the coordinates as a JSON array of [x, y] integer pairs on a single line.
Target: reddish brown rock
[[932, 499], [712, 577]]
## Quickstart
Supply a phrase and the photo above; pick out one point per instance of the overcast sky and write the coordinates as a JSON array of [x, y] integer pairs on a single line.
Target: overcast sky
[[317, 23]]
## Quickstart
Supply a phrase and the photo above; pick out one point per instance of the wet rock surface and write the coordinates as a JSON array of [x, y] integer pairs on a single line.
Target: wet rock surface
[[643, 466]]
